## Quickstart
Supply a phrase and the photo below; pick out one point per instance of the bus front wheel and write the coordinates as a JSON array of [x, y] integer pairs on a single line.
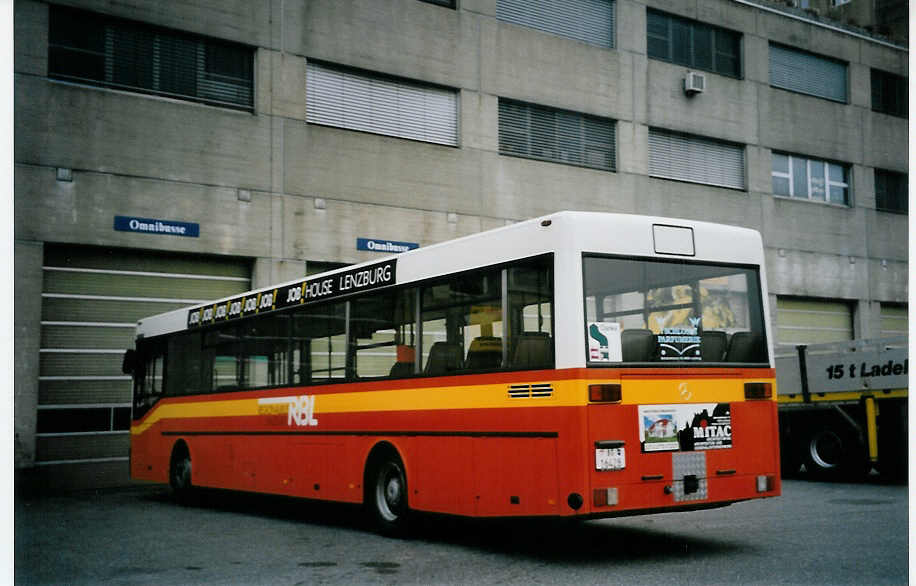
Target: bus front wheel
[[180, 473], [387, 494]]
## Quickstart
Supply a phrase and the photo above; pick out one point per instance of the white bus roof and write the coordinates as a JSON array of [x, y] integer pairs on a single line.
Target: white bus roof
[[567, 234]]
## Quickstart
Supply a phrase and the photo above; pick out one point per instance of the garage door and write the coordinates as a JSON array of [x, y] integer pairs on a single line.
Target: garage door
[[91, 301], [894, 320], [811, 321]]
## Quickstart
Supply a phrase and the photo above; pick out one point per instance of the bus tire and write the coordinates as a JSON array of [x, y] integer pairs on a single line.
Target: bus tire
[[180, 473], [386, 493]]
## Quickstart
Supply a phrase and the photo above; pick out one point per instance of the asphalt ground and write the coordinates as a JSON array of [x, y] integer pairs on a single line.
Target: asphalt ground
[[816, 533]]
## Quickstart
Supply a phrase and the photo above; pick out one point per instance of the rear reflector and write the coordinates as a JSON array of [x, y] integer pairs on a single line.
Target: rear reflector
[[604, 497], [758, 390], [766, 483], [608, 393]]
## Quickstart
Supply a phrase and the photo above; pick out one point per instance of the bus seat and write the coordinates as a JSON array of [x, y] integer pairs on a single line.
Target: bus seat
[[444, 358], [532, 350], [484, 352], [638, 345], [744, 347], [713, 345], [401, 369]]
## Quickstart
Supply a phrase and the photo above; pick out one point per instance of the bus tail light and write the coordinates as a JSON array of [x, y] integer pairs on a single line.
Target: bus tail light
[[766, 483], [758, 390], [604, 497], [607, 393]]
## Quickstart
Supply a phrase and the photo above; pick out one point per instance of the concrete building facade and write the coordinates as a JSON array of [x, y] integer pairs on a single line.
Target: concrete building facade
[[274, 188]]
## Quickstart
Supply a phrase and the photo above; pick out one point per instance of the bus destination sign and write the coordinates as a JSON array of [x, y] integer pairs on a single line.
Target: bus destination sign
[[307, 291]]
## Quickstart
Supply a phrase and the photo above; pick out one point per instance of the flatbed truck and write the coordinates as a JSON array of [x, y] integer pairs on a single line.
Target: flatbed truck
[[843, 409]]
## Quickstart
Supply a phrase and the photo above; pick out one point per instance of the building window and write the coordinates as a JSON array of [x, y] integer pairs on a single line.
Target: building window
[[693, 44], [589, 21], [108, 52], [684, 157], [806, 73], [560, 136], [889, 93], [891, 191], [446, 3], [357, 100], [812, 179]]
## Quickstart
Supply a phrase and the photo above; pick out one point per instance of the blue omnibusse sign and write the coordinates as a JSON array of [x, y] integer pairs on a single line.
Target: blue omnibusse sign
[[153, 226], [376, 245]]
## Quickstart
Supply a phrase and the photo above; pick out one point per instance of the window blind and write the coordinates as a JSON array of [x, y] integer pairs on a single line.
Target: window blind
[[381, 105], [806, 73], [561, 136], [109, 52], [589, 21], [684, 157]]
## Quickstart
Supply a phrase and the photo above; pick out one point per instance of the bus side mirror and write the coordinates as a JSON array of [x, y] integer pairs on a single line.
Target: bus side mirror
[[129, 363]]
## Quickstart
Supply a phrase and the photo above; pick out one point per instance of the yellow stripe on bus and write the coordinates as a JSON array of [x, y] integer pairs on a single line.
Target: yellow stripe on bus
[[565, 393]]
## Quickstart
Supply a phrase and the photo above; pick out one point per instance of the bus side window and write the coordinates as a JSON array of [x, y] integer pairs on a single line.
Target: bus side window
[[263, 352], [319, 335], [456, 313], [381, 335], [149, 373], [183, 365], [530, 309]]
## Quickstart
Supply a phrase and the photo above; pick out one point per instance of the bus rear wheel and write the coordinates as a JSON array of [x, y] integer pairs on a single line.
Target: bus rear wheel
[[387, 494]]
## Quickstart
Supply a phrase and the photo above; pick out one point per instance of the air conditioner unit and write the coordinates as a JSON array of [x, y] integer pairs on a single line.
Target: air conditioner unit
[[694, 83]]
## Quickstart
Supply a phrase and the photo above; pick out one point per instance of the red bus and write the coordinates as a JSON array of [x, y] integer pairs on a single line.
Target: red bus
[[577, 365]]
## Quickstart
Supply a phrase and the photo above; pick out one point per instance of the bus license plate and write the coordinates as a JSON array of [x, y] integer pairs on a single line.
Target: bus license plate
[[610, 459]]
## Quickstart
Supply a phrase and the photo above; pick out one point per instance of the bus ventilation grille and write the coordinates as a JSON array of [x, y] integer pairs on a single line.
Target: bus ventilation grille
[[530, 391]]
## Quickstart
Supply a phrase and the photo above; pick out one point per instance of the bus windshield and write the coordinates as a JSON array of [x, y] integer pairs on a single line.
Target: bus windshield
[[656, 312]]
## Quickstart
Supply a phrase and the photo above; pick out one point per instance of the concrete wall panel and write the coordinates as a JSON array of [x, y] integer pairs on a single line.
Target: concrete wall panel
[[885, 58], [726, 110], [680, 199], [281, 87], [83, 211], [888, 280], [808, 274], [813, 227], [431, 43], [330, 233], [524, 188], [728, 15], [888, 236], [632, 37], [30, 40], [242, 21], [66, 125], [27, 276], [541, 68], [808, 37], [886, 141], [805, 125], [357, 166]]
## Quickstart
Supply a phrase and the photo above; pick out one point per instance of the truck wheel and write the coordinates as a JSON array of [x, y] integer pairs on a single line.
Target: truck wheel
[[831, 454], [823, 452], [386, 488]]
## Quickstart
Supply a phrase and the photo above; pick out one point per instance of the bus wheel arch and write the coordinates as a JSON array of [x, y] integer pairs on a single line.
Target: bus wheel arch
[[180, 471], [385, 490]]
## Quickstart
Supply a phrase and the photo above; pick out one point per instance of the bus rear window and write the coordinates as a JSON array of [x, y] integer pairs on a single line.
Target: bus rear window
[[642, 311]]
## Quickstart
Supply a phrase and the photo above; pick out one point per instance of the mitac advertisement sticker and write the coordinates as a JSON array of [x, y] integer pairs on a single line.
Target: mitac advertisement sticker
[[693, 427]]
